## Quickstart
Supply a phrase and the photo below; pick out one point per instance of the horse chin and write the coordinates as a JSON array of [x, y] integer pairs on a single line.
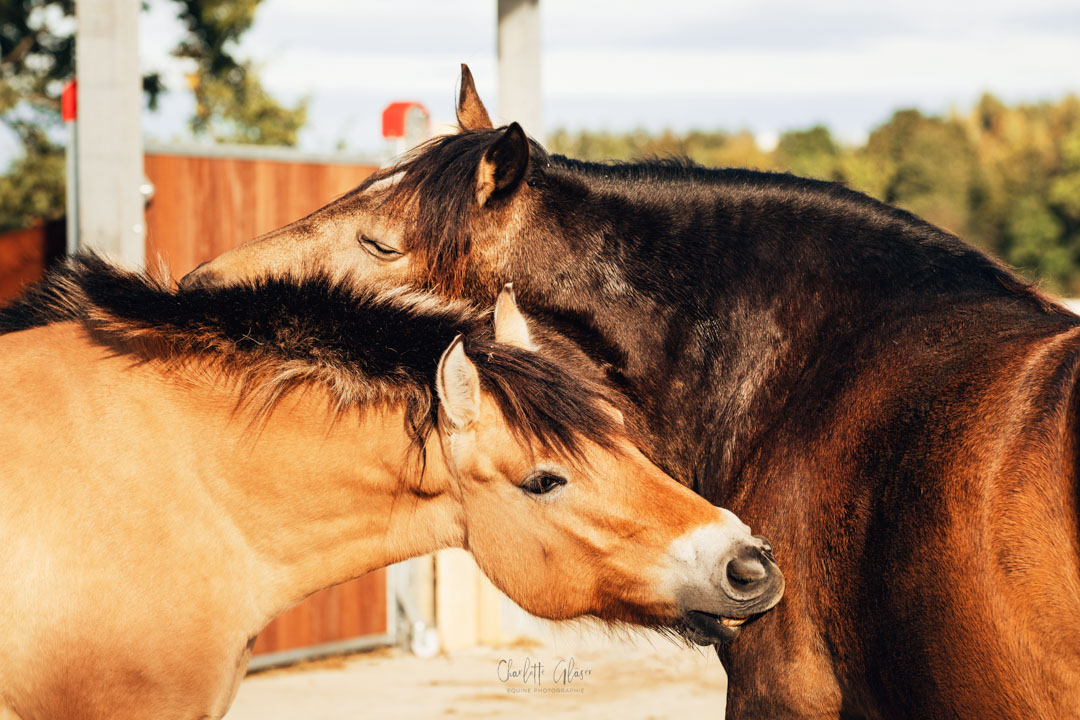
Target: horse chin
[[702, 628]]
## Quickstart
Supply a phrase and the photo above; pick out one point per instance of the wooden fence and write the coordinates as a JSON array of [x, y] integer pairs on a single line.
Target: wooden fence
[[202, 206], [26, 254]]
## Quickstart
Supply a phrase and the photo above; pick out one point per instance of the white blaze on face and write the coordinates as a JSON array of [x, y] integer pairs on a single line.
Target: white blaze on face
[[696, 561], [385, 184]]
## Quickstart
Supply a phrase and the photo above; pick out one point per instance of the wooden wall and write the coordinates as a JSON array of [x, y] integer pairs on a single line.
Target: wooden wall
[[26, 254], [203, 206], [354, 609]]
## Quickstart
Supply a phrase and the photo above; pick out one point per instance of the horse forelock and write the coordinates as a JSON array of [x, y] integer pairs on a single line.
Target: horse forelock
[[277, 335], [434, 193]]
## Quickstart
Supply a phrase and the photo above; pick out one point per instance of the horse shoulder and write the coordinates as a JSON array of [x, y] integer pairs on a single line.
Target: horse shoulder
[[102, 526]]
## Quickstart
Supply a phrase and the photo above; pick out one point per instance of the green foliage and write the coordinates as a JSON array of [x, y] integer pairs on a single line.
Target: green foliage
[[1024, 206], [234, 108], [810, 153], [33, 189], [231, 104], [1031, 236], [37, 47], [926, 165], [1006, 178], [36, 56], [707, 148]]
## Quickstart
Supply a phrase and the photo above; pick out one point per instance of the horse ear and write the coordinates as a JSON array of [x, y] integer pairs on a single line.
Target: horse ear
[[471, 113], [504, 164], [458, 385], [511, 328]]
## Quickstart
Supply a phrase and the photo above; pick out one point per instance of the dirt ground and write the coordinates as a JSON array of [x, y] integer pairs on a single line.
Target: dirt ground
[[643, 677]]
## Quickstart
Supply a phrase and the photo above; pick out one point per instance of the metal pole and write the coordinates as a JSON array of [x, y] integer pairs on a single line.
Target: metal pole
[[109, 163], [519, 65]]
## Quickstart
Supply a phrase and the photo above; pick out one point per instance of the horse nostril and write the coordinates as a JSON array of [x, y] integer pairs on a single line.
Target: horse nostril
[[766, 547], [747, 568], [750, 578]]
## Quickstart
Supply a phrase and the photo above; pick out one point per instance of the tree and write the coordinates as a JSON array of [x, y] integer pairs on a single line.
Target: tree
[[810, 153], [33, 188], [1027, 206], [37, 47], [711, 148], [927, 165], [231, 103], [1006, 178], [35, 58]]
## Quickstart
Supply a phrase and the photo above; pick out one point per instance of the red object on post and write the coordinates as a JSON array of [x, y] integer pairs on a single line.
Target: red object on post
[[69, 105], [396, 115]]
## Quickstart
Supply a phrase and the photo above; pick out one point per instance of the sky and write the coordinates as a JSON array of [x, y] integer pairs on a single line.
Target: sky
[[763, 65]]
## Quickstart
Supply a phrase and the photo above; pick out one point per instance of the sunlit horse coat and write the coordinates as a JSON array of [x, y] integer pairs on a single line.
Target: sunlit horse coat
[[896, 410], [180, 467]]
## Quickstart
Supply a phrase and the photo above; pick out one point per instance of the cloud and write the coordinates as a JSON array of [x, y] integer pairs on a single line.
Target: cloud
[[1055, 21], [412, 27], [757, 27], [901, 65], [683, 63]]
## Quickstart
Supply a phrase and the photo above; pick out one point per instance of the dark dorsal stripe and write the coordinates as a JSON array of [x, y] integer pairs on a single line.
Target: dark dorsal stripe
[[279, 333]]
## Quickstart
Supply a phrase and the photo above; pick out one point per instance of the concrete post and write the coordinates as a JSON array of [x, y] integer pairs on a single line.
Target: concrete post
[[109, 167], [456, 599], [519, 65]]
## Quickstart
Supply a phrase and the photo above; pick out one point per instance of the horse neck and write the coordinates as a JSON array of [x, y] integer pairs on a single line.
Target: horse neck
[[318, 498], [709, 320]]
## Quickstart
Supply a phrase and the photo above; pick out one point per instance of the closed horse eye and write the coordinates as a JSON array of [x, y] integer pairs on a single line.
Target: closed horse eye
[[542, 483], [377, 249]]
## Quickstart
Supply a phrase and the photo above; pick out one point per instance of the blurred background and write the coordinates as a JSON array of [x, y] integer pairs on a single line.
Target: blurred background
[[963, 112], [199, 124]]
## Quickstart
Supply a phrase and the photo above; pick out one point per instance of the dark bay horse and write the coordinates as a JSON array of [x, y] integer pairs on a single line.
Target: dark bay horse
[[179, 468], [896, 410]]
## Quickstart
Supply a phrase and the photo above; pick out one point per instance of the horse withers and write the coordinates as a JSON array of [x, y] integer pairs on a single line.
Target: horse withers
[[893, 408], [179, 468]]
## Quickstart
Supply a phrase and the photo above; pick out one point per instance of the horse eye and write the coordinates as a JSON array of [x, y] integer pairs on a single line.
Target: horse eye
[[377, 249], [542, 483]]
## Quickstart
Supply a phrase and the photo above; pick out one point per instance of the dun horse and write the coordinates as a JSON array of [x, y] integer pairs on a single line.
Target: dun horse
[[179, 468], [896, 410]]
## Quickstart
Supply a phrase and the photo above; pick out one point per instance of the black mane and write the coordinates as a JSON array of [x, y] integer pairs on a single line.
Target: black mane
[[442, 172], [278, 334]]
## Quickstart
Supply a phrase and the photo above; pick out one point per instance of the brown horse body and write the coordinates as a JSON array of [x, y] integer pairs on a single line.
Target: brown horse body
[[178, 469], [937, 535], [897, 410]]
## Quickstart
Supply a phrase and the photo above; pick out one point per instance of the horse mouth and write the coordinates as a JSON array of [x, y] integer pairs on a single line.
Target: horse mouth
[[703, 628]]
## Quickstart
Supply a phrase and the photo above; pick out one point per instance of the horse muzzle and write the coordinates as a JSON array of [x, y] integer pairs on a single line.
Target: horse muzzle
[[750, 584]]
